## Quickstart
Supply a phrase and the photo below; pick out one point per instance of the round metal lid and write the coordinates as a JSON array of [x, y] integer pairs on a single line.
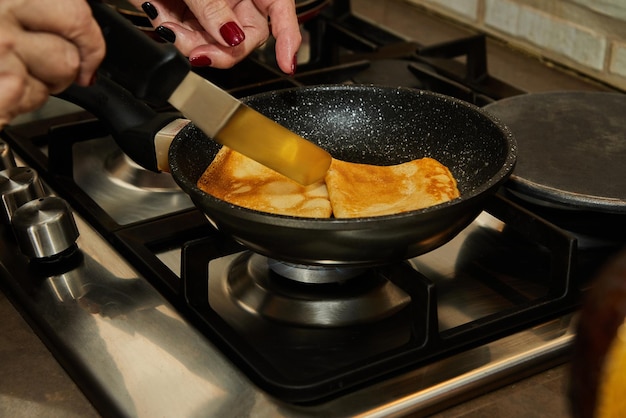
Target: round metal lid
[[571, 148]]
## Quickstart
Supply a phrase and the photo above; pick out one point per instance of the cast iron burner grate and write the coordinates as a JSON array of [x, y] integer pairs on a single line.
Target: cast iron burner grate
[[410, 338], [304, 364]]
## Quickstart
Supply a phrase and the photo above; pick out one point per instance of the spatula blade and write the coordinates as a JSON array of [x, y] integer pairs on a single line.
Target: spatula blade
[[231, 123]]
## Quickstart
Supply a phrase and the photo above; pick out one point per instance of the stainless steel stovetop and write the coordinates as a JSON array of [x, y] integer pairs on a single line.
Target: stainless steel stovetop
[[135, 349], [134, 354]]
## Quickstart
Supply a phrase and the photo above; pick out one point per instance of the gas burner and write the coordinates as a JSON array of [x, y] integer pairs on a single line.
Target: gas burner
[[306, 273], [253, 286]]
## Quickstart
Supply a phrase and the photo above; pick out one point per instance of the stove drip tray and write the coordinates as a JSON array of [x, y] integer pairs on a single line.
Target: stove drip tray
[[126, 173]]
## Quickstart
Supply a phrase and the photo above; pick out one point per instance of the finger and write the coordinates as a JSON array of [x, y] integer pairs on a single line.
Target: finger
[[218, 55], [70, 19], [219, 20], [49, 58], [188, 39], [254, 23], [257, 32], [285, 29], [20, 92], [215, 17]]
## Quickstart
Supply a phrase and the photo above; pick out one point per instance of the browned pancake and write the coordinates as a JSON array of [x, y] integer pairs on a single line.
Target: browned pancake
[[350, 190], [242, 181], [358, 190]]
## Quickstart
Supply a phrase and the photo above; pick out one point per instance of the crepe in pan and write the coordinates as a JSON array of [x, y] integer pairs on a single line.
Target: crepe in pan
[[244, 182], [350, 190], [361, 190]]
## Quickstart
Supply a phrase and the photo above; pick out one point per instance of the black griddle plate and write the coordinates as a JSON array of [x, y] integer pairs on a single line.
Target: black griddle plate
[[571, 148]]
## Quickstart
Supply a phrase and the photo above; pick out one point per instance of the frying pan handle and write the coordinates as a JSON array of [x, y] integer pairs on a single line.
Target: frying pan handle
[[135, 67], [150, 70], [133, 124]]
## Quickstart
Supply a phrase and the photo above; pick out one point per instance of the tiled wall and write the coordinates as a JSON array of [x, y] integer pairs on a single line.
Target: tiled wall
[[586, 35]]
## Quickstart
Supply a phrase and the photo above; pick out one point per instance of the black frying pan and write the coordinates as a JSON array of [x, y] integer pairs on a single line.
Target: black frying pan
[[365, 124]]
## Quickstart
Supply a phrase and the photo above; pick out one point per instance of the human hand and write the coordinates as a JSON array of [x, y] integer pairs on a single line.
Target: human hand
[[44, 47], [220, 33]]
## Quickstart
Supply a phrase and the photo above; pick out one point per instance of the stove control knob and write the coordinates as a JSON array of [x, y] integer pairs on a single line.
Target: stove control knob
[[18, 185], [6, 156], [45, 227]]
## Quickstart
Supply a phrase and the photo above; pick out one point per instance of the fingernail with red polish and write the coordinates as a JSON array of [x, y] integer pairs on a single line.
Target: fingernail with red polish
[[200, 61], [232, 33], [150, 10], [166, 34], [294, 65]]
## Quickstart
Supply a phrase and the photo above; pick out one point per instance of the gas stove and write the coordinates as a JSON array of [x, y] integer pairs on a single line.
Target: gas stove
[[156, 312]]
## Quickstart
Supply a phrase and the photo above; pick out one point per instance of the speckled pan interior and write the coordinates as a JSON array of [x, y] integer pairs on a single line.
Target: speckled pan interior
[[366, 124]]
